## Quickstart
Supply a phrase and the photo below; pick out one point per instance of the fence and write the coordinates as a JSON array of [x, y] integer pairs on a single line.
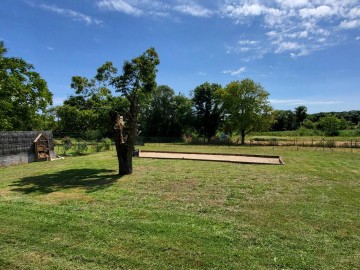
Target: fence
[[82, 147], [316, 143]]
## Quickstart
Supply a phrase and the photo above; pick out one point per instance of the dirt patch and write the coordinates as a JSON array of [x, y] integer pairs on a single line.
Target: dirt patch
[[245, 159]]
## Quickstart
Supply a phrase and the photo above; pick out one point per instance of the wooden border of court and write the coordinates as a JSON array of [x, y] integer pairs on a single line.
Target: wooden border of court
[[232, 158]]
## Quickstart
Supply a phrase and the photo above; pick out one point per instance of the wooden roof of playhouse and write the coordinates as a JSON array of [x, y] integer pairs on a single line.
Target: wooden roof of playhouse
[[42, 137]]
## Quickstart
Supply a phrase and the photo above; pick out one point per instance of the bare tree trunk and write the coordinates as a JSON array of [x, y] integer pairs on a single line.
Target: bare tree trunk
[[125, 150], [121, 149], [243, 133]]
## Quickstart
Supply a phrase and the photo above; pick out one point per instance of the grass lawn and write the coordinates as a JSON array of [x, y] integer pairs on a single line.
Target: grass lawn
[[77, 213]]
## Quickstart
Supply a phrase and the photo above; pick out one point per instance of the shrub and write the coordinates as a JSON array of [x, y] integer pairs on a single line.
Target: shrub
[[99, 147], [67, 144], [106, 143], [80, 147]]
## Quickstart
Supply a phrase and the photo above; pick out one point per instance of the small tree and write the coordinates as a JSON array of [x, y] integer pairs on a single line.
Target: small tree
[[330, 124], [135, 84], [246, 106]]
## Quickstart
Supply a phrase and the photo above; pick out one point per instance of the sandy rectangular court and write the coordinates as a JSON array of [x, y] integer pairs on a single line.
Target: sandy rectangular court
[[245, 159]]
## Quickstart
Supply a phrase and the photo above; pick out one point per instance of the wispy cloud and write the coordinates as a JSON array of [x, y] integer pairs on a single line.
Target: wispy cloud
[[235, 72], [350, 24], [201, 73], [295, 102], [296, 27], [157, 8], [119, 5], [74, 15], [193, 9]]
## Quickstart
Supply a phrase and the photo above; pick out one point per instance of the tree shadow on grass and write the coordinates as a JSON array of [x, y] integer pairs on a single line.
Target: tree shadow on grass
[[89, 179]]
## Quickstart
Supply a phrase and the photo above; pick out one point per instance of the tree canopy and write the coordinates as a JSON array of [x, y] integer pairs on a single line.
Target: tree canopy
[[136, 83], [24, 95], [246, 107], [207, 106]]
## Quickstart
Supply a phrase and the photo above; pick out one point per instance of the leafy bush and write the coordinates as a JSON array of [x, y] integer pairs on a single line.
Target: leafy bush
[[106, 143], [99, 147], [80, 148], [67, 144]]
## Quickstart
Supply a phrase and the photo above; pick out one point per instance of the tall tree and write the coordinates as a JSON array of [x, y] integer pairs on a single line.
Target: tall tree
[[136, 83], [246, 106], [300, 115], [24, 95], [207, 109], [159, 117], [283, 120], [184, 114], [167, 115]]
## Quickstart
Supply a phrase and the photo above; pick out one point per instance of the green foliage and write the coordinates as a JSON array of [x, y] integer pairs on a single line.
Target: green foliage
[[92, 135], [106, 143], [67, 144], [99, 147], [80, 147], [136, 83], [300, 115], [308, 124], [167, 115], [246, 106], [330, 125], [24, 95], [207, 106], [283, 120], [349, 116]]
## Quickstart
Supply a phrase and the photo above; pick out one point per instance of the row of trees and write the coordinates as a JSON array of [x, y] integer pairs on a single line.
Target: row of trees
[[329, 123], [239, 107]]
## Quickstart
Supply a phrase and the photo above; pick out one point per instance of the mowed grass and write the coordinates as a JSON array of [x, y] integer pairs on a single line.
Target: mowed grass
[[176, 214]]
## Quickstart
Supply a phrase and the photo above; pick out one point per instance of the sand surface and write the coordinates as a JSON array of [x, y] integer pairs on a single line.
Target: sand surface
[[213, 157]]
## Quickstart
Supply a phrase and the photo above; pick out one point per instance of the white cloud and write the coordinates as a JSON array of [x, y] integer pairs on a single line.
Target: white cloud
[[193, 9], [157, 8], [235, 72], [293, 3], [354, 13], [201, 73], [287, 46], [248, 42], [350, 24], [297, 27], [119, 5], [318, 12], [357, 38], [74, 15], [296, 102], [49, 48]]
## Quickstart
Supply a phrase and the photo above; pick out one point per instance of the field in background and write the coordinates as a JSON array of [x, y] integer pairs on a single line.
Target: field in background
[[77, 213]]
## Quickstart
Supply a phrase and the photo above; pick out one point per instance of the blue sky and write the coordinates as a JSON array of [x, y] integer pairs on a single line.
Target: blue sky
[[303, 52]]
